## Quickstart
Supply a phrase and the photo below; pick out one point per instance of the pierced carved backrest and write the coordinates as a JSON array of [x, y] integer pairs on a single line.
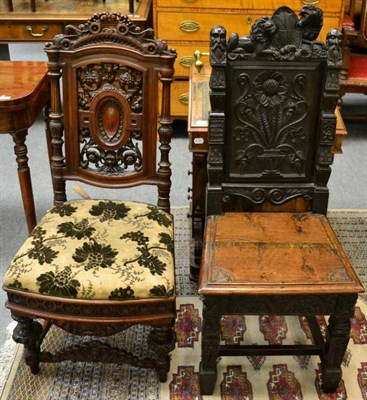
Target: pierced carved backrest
[[272, 123], [110, 73]]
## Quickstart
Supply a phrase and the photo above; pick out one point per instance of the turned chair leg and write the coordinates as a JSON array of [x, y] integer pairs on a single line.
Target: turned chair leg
[[210, 342], [28, 332], [161, 342], [336, 345]]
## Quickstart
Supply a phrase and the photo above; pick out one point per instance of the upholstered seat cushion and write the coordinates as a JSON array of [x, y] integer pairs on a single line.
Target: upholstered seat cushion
[[93, 249]]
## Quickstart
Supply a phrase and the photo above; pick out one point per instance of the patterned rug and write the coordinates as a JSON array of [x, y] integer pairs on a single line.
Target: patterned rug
[[238, 377]]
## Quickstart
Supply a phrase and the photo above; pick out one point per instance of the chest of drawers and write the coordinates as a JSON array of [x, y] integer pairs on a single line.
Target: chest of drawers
[[186, 25]]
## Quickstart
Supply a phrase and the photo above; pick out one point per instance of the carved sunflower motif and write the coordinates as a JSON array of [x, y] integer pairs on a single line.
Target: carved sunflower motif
[[79, 230], [109, 210], [122, 294], [64, 210], [60, 284], [270, 88], [95, 255]]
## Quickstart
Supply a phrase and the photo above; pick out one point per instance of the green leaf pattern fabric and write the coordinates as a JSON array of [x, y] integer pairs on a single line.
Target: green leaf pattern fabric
[[97, 249]]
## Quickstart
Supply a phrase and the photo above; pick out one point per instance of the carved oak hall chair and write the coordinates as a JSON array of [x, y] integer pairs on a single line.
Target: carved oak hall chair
[[94, 267], [271, 127]]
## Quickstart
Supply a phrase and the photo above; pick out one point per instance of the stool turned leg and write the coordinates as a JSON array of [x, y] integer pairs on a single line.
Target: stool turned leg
[[131, 6], [10, 5], [33, 5], [210, 341]]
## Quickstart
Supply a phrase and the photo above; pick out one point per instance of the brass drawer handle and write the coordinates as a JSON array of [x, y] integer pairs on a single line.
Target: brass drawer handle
[[187, 61], [248, 20], [44, 29], [189, 26], [198, 63], [184, 99], [310, 2]]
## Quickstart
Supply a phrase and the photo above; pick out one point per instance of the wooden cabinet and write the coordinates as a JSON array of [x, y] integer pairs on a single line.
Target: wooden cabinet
[[186, 25], [52, 17]]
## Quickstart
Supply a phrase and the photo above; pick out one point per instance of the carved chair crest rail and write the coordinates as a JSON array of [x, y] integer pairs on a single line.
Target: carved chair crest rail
[[97, 267]]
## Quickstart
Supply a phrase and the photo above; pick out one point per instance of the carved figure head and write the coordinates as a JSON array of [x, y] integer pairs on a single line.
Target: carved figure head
[[334, 37], [262, 31], [217, 43], [218, 36], [311, 22]]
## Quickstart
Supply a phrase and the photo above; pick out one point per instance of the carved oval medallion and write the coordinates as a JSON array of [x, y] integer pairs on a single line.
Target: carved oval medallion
[[110, 115], [110, 119]]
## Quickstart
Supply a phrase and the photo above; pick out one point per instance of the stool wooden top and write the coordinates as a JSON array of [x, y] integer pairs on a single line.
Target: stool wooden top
[[274, 253]]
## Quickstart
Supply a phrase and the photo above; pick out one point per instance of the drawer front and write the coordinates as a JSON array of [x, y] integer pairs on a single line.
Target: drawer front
[[270, 5], [185, 57], [196, 26], [29, 31], [179, 98]]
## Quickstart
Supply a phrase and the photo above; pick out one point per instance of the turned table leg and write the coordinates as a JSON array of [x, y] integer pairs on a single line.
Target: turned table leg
[[24, 176]]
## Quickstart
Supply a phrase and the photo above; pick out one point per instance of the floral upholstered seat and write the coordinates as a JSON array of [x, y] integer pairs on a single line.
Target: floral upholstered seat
[[101, 250]]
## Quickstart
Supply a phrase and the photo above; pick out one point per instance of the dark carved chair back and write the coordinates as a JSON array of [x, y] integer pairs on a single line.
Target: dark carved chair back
[[272, 123], [111, 71]]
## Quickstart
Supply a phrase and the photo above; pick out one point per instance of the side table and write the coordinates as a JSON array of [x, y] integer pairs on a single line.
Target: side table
[[24, 91]]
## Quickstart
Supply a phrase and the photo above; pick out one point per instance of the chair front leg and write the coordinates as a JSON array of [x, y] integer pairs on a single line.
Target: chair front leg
[[210, 342], [161, 342], [29, 332], [336, 345]]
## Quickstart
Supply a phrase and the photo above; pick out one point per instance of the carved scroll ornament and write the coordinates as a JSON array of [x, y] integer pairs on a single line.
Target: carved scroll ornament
[[109, 27]]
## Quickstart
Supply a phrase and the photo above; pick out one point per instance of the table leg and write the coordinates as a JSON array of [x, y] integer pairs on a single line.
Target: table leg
[[20, 150], [199, 181], [4, 52]]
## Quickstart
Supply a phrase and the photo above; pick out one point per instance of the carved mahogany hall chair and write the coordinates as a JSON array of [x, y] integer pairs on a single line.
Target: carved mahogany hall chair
[[97, 267], [268, 247]]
